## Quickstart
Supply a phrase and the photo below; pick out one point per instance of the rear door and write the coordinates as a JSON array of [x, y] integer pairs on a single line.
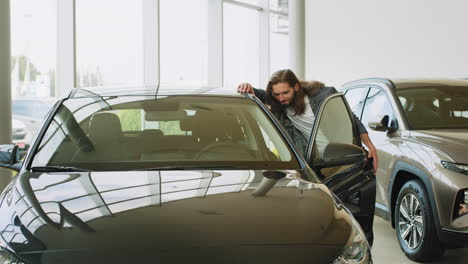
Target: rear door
[[335, 127]]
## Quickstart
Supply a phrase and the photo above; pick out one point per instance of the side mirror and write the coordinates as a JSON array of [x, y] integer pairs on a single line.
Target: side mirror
[[382, 125], [9, 156], [340, 154]]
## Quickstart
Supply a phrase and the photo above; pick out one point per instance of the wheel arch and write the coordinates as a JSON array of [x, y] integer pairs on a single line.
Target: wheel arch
[[402, 173]]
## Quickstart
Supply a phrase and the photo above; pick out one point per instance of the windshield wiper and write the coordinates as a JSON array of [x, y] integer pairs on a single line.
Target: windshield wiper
[[56, 169], [208, 167]]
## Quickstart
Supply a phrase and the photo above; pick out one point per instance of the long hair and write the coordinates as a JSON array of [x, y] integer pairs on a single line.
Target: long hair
[[286, 76]]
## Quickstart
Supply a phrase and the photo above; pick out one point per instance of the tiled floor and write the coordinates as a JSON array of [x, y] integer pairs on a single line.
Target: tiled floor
[[386, 249]]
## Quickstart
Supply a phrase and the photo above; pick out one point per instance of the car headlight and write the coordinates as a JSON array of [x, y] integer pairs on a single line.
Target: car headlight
[[456, 167], [357, 249], [8, 258]]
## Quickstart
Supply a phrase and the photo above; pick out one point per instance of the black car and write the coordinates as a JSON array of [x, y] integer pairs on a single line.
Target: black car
[[148, 176]]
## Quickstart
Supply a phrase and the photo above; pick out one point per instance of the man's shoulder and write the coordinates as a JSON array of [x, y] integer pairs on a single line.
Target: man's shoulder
[[320, 91], [330, 89], [312, 88]]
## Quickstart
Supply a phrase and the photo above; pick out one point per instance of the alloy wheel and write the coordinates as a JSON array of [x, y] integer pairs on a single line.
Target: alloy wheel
[[411, 224]]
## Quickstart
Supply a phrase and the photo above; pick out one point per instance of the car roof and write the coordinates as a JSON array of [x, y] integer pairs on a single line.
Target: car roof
[[413, 83], [406, 83], [153, 91]]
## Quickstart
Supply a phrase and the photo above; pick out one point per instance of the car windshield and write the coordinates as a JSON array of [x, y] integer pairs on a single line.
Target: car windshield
[[174, 132], [440, 107]]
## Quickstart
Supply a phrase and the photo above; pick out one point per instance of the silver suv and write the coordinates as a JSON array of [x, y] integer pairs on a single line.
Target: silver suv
[[420, 129]]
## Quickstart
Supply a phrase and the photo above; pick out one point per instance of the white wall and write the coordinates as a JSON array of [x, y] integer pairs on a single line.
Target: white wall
[[347, 40]]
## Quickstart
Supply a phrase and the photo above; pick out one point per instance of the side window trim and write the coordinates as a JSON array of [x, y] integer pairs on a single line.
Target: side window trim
[[364, 98], [393, 116], [48, 119]]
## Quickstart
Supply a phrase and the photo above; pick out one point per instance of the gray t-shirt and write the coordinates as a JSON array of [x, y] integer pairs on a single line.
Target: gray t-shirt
[[302, 122], [305, 123]]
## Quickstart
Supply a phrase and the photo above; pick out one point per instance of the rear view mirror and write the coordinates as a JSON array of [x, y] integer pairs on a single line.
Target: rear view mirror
[[9, 156], [382, 125]]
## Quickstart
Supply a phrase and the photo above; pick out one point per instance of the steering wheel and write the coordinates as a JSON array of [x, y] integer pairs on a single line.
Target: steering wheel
[[225, 151]]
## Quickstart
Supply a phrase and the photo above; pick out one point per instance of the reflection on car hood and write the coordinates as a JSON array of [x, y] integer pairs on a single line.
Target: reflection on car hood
[[165, 214], [450, 141]]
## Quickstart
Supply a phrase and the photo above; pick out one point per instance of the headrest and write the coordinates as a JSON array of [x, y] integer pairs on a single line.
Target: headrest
[[152, 132], [188, 123], [104, 127]]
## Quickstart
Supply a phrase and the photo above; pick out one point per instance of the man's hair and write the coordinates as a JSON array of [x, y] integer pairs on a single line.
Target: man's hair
[[286, 76]]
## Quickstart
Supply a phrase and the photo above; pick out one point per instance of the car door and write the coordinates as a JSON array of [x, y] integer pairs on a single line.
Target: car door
[[388, 143], [335, 127]]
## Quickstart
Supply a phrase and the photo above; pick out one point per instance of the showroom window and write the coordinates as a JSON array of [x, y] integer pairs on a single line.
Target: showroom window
[[255, 41], [108, 51], [279, 41], [241, 45], [183, 42], [33, 65], [33, 48]]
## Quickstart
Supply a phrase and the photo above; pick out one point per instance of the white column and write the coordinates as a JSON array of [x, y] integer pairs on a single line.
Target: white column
[[264, 43], [215, 43], [65, 78], [5, 84], [297, 37], [150, 14]]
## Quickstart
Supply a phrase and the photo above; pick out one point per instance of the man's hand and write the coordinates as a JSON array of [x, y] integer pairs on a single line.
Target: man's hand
[[373, 155], [245, 88], [372, 150]]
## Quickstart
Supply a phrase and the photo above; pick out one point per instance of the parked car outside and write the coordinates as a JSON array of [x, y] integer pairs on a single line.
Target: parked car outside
[[31, 111], [137, 176], [19, 134], [420, 129]]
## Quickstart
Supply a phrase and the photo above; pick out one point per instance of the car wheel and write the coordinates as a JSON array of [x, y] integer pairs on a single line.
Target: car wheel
[[414, 223]]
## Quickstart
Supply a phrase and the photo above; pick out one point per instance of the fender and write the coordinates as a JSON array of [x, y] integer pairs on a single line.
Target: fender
[[421, 175]]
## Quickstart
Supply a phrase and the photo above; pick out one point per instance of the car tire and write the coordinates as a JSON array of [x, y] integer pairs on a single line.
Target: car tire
[[414, 223]]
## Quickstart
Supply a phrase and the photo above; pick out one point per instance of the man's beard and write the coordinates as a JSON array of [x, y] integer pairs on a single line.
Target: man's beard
[[291, 102]]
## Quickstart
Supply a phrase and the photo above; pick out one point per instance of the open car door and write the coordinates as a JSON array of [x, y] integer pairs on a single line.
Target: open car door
[[336, 155], [335, 152]]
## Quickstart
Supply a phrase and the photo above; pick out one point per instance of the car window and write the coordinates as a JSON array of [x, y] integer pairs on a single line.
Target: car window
[[435, 107], [356, 98], [335, 126], [403, 101], [377, 106], [105, 134]]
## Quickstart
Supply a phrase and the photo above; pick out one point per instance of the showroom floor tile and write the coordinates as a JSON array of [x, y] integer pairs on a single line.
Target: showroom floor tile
[[386, 249]]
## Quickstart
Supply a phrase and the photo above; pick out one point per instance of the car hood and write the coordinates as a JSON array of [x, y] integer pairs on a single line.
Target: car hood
[[451, 141], [225, 215]]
